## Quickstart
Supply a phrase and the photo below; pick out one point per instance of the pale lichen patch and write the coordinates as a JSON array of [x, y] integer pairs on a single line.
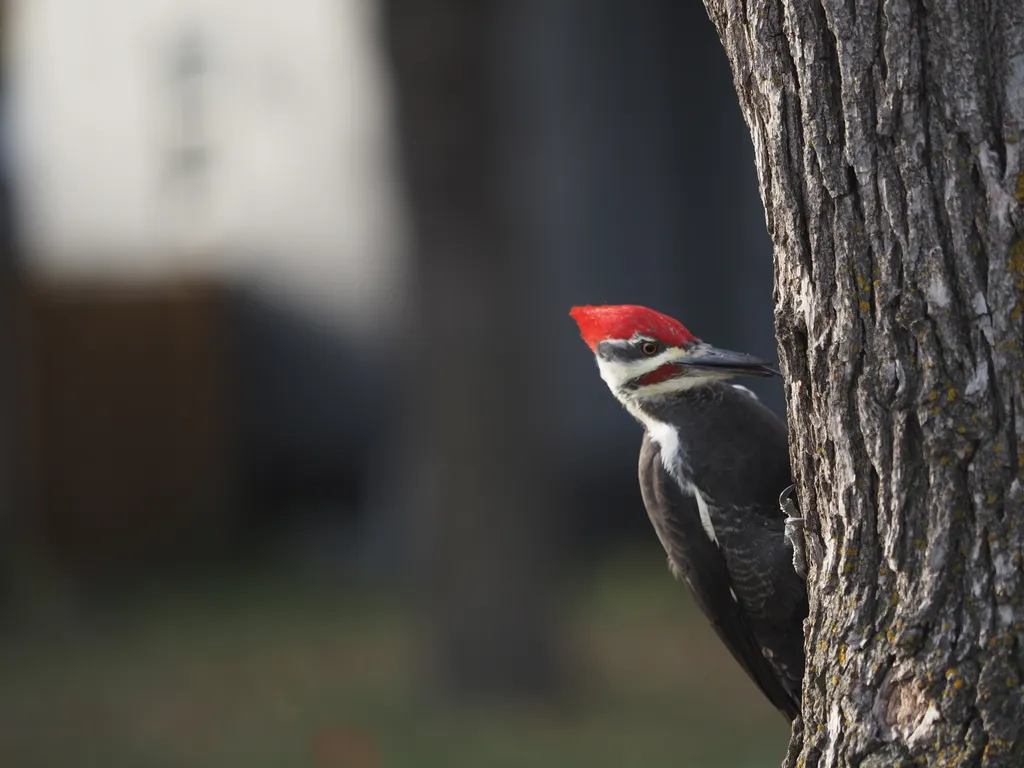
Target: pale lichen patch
[[937, 291], [978, 304], [979, 379]]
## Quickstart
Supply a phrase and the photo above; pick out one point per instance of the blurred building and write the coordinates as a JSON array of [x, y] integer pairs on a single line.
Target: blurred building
[[215, 248], [229, 138]]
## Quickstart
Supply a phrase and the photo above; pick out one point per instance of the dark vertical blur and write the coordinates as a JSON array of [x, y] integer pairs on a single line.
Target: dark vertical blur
[[10, 428], [483, 429]]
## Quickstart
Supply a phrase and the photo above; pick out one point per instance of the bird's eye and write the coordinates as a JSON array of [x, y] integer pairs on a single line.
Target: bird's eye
[[649, 348]]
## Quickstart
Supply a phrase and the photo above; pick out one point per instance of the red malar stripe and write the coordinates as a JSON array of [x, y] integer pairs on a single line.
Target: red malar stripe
[[660, 374]]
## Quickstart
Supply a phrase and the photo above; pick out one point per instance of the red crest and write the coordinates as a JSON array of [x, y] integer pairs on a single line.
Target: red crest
[[622, 321]]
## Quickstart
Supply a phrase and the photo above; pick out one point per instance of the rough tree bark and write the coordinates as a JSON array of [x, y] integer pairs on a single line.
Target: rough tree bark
[[887, 143]]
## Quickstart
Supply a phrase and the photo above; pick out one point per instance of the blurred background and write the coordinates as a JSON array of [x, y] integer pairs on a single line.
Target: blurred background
[[302, 461]]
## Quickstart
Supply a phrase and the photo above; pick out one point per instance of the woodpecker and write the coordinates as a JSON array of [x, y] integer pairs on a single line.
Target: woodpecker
[[714, 462]]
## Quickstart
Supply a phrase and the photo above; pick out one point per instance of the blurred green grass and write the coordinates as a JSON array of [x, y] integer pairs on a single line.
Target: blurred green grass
[[276, 671]]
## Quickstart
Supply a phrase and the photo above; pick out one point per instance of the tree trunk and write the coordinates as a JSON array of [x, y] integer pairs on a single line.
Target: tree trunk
[[480, 408], [887, 146]]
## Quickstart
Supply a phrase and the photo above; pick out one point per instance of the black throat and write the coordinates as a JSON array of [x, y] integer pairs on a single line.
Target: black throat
[[724, 433], [687, 405]]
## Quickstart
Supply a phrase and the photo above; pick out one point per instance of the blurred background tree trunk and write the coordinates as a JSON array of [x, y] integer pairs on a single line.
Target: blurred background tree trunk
[[9, 389], [887, 148], [487, 509]]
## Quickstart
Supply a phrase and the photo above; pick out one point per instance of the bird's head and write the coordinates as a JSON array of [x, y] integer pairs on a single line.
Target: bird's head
[[644, 354]]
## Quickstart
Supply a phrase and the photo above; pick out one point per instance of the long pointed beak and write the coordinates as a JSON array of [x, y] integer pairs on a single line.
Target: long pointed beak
[[724, 362]]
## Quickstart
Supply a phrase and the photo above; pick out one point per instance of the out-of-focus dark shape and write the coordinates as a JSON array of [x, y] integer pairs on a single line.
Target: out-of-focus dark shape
[[129, 423], [477, 377], [10, 385], [315, 417]]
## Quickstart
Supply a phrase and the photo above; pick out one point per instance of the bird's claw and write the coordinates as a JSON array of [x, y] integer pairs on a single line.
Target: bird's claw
[[794, 531], [786, 498]]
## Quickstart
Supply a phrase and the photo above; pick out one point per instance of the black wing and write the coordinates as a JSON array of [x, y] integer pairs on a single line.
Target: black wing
[[697, 560]]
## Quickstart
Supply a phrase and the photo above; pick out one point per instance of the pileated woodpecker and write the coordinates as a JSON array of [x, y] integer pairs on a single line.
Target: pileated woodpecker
[[713, 463]]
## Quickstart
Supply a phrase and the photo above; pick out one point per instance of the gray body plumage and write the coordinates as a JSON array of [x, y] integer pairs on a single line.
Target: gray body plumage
[[713, 501]]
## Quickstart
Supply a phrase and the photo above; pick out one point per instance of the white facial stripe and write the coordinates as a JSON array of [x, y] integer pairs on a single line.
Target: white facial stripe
[[668, 386], [616, 373]]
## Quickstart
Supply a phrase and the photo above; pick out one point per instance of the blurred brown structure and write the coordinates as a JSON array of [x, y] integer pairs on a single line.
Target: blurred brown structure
[[128, 421]]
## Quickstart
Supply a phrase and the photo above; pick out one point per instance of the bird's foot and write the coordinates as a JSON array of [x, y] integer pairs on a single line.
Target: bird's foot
[[794, 531]]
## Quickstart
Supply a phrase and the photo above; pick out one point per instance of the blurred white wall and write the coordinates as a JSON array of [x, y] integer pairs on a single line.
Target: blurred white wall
[[246, 137]]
